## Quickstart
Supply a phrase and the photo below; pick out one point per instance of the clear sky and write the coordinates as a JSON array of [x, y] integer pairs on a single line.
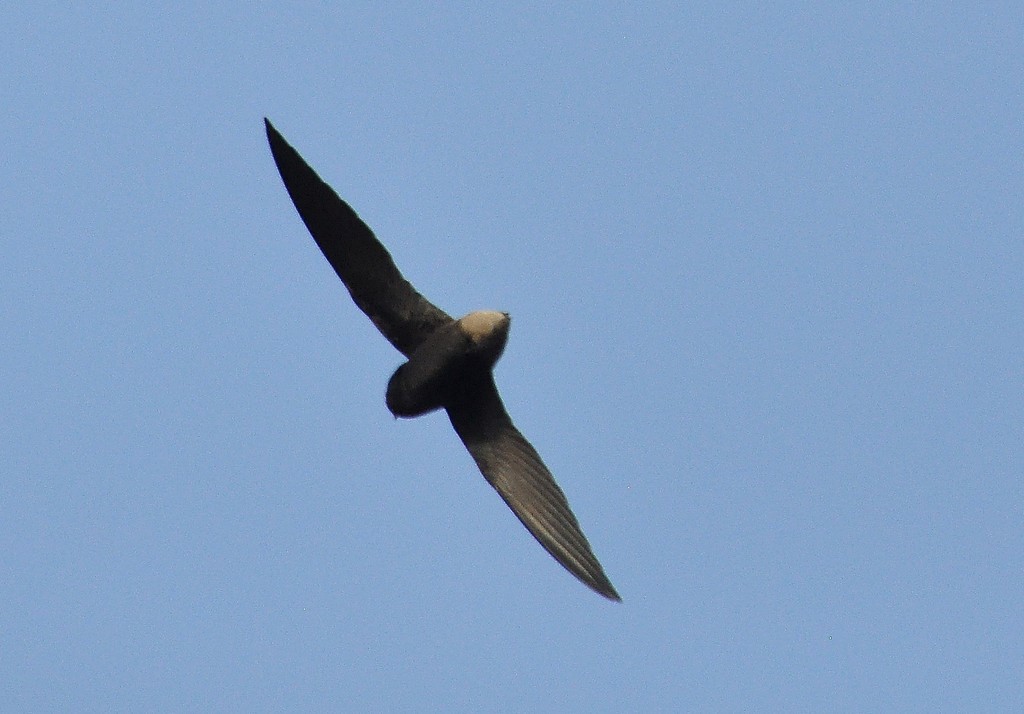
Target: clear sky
[[765, 270]]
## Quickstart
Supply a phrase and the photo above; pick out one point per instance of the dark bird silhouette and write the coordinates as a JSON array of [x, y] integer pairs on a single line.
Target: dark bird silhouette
[[449, 365]]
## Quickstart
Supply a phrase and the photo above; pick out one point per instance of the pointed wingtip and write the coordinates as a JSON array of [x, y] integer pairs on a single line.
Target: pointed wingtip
[[604, 588], [272, 133], [283, 153]]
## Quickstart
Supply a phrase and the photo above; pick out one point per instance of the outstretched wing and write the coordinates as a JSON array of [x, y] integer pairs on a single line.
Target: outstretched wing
[[515, 470], [402, 315]]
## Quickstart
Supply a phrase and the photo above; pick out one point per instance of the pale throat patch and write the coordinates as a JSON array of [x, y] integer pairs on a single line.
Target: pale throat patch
[[479, 325]]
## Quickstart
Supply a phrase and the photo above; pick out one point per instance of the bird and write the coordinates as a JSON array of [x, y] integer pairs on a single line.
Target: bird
[[449, 365]]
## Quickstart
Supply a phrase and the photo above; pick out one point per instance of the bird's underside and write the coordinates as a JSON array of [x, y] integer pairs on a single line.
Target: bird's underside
[[449, 366]]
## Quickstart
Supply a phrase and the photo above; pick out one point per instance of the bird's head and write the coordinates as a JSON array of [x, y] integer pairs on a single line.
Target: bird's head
[[487, 331]]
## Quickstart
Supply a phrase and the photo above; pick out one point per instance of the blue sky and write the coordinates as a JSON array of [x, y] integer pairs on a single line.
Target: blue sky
[[765, 269]]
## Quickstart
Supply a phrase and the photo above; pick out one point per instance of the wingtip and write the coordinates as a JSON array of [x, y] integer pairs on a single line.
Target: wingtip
[[606, 589], [283, 153], [271, 131]]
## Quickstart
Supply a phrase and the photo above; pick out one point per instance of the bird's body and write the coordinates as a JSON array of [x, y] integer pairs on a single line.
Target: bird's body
[[449, 366], [437, 369]]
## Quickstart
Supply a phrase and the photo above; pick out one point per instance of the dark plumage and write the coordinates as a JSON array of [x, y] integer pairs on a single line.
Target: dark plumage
[[449, 366]]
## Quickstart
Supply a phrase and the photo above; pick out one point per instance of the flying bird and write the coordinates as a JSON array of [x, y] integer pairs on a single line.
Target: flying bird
[[449, 365]]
